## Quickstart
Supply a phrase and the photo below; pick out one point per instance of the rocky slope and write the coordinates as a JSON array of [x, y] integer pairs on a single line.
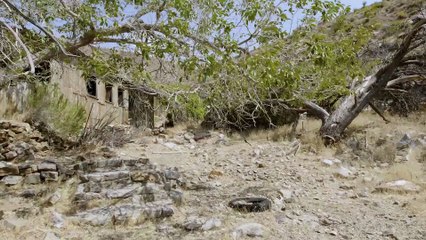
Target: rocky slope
[[171, 186]]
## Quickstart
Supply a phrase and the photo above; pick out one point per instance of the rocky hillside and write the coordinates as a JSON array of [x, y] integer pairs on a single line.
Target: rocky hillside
[[389, 20]]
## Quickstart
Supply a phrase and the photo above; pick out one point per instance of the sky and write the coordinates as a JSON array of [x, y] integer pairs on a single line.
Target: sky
[[291, 25], [358, 3]]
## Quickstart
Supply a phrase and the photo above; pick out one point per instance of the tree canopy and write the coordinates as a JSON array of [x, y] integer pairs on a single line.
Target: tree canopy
[[228, 54]]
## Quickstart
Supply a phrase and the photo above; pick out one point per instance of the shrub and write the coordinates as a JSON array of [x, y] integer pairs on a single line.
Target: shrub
[[48, 105]]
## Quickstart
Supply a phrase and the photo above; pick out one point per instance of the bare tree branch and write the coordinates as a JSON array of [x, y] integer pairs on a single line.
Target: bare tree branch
[[27, 52], [50, 35], [405, 79], [68, 10], [317, 110]]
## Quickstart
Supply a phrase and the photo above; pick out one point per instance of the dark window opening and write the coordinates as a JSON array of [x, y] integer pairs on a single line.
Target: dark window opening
[[91, 86], [120, 97], [108, 93], [42, 72]]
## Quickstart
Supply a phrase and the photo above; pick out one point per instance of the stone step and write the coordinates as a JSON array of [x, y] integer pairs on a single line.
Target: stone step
[[147, 193], [113, 164], [105, 176], [128, 214]]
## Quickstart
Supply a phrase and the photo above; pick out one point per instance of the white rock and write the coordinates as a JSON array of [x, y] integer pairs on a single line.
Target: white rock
[[57, 220], [51, 236], [402, 185], [287, 195], [248, 229], [257, 152], [327, 162], [15, 223], [343, 172], [211, 224], [337, 161], [171, 145], [188, 136], [56, 196]]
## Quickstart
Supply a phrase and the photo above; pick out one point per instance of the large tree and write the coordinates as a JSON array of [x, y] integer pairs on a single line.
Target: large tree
[[195, 33], [241, 62]]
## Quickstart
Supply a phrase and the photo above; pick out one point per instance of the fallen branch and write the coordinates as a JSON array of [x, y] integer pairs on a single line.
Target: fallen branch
[[378, 112], [404, 80]]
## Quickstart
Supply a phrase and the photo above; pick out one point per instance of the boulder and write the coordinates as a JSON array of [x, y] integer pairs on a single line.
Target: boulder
[[47, 166], [249, 230], [33, 178], [12, 180], [50, 176], [400, 186], [8, 169], [10, 155]]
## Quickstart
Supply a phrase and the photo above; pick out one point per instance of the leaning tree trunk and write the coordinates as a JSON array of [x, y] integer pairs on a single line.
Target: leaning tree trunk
[[335, 124]]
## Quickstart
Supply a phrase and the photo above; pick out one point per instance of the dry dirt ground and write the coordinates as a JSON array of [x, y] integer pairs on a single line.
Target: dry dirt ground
[[310, 199]]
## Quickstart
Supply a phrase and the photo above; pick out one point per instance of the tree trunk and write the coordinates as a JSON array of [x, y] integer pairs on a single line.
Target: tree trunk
[[352, 105]]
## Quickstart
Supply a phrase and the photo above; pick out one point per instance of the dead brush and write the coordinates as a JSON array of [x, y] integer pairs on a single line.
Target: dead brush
[[102, 132]]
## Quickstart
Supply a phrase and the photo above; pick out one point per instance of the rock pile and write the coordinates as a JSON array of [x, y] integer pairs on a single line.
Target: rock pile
[[142, 190], [18, 141], [18, 145]]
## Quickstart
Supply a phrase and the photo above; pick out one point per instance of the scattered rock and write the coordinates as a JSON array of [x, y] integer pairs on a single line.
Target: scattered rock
[[10, 155], [248, 229], [33, 178], [15, 224], [52, 200], [28, 193], [50, 176], [177, 197], [47, 166], [343, 172], [27, 168], [287, 195], [327, 162], [57, 220], [215, 173], [251, 204], [8, 169], [400, 186], [12, 180], [211, 223], [188, 136], [172, 174], [404, 142], [51, 236], [193, 223]]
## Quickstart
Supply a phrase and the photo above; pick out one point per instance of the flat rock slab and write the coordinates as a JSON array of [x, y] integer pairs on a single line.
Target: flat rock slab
[[12, 180], [121, 193], [47, 166], [8, 169], [105, 176], [399, 186], [123, 214]]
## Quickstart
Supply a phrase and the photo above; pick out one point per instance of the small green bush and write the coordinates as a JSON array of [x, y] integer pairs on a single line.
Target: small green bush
[[48, 105]]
